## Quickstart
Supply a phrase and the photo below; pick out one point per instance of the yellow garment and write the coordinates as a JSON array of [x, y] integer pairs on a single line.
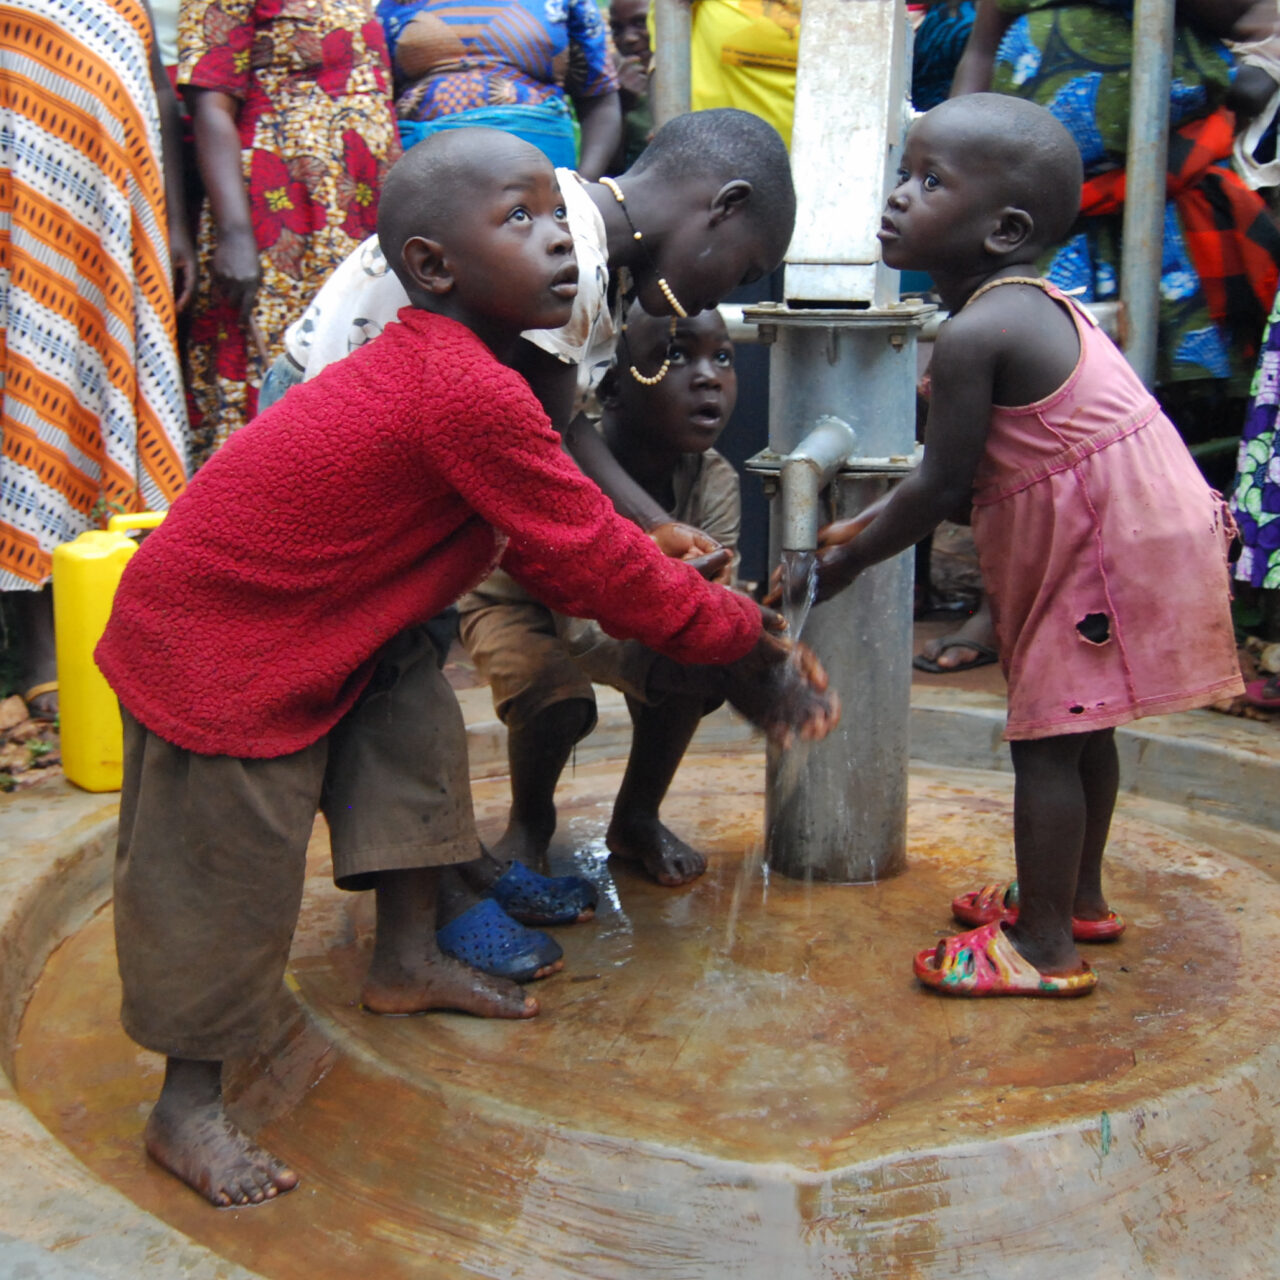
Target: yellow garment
[[743, 54]]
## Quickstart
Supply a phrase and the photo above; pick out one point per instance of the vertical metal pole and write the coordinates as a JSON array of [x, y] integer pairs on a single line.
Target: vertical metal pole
[[1145, 168], [672, 89]]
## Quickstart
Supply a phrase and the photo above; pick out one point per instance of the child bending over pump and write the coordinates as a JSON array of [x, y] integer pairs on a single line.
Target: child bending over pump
[[1103, 550], [266, 645], [709, 205], [541, 666]]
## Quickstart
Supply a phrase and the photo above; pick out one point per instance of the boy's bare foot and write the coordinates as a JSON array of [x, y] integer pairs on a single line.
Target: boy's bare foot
[[444, 983], [666, 857], [202, 1148]]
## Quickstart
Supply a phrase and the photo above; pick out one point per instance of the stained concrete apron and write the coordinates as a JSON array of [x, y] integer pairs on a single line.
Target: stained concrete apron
[[738, 1079]]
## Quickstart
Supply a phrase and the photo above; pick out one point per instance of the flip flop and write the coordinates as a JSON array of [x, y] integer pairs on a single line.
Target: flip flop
[[1256, 693], [488, 939], [983, 962], [1000, 902], [531, 898], [38, 691], [986, 656]]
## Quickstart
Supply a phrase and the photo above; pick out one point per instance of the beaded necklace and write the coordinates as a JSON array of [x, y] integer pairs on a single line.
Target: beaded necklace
[[646, 380]]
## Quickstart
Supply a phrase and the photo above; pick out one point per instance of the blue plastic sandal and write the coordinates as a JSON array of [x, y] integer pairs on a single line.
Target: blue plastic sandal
[[535, 899], [488, 939]]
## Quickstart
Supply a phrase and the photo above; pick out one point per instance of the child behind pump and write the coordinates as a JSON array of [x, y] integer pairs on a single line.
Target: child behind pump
[[542, 670], [266, 648], [1103, 549]]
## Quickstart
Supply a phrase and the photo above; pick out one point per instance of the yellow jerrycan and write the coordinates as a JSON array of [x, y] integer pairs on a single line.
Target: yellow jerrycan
[[86, 573]]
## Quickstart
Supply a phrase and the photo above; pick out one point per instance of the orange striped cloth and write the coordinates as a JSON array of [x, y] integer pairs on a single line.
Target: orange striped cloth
[[92, 415]]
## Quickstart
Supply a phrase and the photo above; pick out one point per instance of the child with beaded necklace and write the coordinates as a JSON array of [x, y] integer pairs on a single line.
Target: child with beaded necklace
[[1103, 549]]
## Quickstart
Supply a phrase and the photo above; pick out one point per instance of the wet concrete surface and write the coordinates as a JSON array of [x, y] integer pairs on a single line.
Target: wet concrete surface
[[741, 1078]]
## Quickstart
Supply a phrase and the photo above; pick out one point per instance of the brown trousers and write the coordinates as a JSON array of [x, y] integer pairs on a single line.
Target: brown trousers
[[212, 849]]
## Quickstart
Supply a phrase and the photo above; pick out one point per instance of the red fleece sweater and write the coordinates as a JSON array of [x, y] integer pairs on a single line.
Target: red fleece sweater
[[368, 499]]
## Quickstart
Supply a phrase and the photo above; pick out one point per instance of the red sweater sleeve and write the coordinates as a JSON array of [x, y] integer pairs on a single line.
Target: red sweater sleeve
[[569, 547]]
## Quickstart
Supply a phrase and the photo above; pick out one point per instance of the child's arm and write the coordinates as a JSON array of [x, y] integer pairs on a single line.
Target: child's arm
[[565, 542], [977, 63], [718, 512], [555, 383], [963, 375]]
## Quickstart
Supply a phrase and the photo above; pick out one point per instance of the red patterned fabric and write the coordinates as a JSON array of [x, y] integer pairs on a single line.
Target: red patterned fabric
[[367, 500], [1232, 242], [317, 133]]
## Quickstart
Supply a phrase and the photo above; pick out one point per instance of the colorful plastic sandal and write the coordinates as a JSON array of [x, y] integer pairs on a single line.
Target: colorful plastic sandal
[[535, 899], [1264, 694], [488, 939], [1000, 902], [983, 962]]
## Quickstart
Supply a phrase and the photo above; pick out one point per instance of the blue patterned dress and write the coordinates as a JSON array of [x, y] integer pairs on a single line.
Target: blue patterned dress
[[504, 63], [1075, 60]]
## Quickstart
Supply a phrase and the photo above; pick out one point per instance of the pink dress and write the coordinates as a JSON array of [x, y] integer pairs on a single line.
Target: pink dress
[[1103, 552]]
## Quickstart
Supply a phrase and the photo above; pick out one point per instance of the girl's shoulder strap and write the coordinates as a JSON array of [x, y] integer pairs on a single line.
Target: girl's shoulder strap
[[1051, 290]]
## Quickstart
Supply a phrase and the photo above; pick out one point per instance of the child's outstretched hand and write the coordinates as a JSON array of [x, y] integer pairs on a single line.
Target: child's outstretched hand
[[781, 688], [834, 568], [704, 553]]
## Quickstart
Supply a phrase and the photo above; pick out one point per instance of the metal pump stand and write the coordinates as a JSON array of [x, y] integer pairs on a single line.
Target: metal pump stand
[[844, 347]]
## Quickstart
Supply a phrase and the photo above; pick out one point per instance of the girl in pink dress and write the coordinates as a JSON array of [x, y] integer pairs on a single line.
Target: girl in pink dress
[[1103, 549]]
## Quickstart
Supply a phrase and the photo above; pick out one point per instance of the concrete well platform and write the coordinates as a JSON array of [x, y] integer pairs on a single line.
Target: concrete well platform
[[735, 1079]]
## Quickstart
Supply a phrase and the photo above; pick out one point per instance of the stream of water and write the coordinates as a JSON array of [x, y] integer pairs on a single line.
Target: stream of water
[[799, 587]]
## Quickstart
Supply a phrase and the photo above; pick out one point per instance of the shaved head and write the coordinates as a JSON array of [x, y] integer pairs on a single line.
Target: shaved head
[[725, 144], [1035, 160], [431, 187]]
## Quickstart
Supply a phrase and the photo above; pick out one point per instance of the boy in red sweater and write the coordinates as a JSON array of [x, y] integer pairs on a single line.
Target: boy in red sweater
[[359, 506]]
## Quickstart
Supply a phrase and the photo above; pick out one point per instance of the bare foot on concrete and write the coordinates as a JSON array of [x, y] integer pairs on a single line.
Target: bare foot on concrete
[[666, 857], [444, 983], [202, 1148]]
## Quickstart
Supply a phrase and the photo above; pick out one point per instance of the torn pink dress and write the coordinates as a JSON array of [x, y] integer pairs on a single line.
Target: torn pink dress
[[1104, 554]]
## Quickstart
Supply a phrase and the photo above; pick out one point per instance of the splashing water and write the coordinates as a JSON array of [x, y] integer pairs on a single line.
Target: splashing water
[[799, 587]]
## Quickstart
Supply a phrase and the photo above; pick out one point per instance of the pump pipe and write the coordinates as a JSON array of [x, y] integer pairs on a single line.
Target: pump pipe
[[672, 89], [1146, 166], [805, 472]]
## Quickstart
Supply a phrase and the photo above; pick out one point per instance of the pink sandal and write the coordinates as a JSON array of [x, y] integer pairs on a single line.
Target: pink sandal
[[1000, 902], [983, 962]]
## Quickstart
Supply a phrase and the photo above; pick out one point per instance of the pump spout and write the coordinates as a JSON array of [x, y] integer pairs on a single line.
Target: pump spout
[[806, 471]]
